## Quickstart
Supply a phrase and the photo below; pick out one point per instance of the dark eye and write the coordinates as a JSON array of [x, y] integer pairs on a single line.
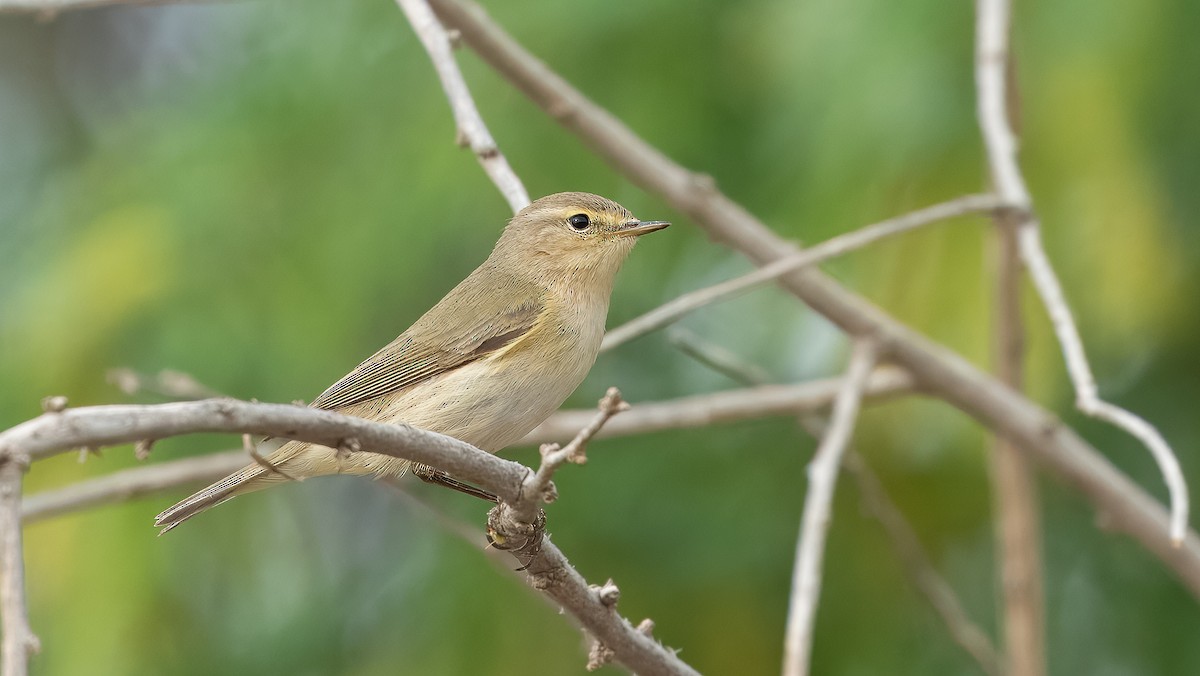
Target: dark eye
[[579, 222]]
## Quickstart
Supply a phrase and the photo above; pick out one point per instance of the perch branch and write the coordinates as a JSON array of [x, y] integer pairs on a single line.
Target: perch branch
[[538, 487], [941, 372], [61, 430], [818, 507], [472, 132], [991, 61], [697, 411]]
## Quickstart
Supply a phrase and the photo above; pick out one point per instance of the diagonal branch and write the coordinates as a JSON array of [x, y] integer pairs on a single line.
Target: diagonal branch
[[675, 309], [914, 561], [940, 371], [94, 427], [472, 132], [818, 507], [990, 75]]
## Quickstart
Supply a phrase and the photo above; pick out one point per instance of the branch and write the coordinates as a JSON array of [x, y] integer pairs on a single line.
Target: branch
[[99, 426], [941, 372], [729, 406], [1001, 143], [648, 417], [915, 562], [130, 484], [19, 641], [818, 506], [918, 568], [472, 132], [538, 488], [674, 310]]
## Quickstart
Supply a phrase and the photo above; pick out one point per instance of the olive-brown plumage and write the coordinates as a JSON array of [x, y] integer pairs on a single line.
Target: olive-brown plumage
[[489, 362]]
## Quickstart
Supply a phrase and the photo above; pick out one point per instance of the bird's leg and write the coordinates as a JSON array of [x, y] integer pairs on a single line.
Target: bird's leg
[[436, 476]]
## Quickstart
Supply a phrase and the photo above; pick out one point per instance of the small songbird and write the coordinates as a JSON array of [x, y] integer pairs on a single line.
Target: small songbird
[[488, 363]]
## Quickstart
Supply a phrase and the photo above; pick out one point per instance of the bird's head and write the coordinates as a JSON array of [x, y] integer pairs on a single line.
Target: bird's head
[[573, 234]]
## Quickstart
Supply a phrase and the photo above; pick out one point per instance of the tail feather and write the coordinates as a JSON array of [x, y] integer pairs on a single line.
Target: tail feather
[[245, 480]]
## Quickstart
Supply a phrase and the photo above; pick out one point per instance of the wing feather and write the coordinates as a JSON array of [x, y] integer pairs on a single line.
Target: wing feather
[[442, 340]]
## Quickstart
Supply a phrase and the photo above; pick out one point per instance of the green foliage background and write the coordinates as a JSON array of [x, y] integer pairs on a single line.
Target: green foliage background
[[262, 193]]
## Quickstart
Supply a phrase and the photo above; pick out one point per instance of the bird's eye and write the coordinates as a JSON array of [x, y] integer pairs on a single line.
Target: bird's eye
[[579, 222]]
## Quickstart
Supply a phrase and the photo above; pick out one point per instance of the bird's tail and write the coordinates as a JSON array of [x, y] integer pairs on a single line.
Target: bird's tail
[[246, 480]]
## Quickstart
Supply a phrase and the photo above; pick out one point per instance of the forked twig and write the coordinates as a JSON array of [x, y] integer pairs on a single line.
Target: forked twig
[[992, 31]]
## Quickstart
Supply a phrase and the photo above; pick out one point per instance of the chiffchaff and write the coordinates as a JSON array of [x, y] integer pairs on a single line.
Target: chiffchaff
[[488, 363]]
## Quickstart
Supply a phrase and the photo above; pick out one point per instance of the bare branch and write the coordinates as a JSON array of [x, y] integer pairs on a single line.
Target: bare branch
[[722, 407], [99, 426], [129, 484], [632, 646], [18, 641], [1014, 486], [538, 488], [472, 132], [920, 571], [916, 564], [818, 506], [675, 309], [992, 30], [941, 372], [717, 358]]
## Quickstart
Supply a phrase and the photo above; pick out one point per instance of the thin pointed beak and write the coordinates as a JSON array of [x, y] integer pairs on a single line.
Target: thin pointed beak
[[639, 228]]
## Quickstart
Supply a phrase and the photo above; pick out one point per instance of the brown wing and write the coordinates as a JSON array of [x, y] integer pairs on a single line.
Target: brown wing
[[473, 320]]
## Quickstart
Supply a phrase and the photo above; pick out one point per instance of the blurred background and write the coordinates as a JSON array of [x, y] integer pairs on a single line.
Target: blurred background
[[262, 193]]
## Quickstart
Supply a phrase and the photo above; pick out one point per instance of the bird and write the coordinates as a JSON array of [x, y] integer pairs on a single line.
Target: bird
[[488, 363]]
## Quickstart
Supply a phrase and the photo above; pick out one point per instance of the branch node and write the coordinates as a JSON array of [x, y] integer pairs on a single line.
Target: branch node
[[54, 404], [646, 628], [599, 655], [141, 450], [703, 183], [608, 593]]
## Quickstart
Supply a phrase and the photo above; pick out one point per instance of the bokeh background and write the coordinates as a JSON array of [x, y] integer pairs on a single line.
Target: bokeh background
[[262, 193]]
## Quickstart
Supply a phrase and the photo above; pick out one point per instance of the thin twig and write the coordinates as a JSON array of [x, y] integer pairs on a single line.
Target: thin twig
[[705, 410], [918, 568], [472, 132], [18, 641], [818, 507], [835, 246], [915, 563], [129, 484], [717, 358], [538, 487], [990, 75], [942, 373]]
